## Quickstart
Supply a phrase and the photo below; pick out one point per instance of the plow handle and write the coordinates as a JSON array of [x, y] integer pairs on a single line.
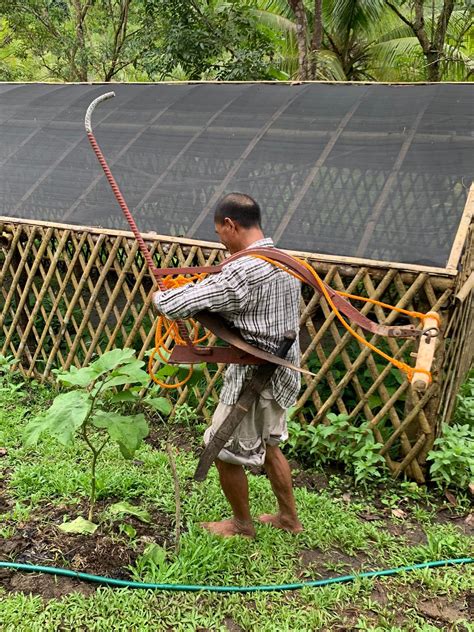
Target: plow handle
[[426, 351]]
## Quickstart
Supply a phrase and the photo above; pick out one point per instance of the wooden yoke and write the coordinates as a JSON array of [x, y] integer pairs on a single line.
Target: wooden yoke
[[426, 351]]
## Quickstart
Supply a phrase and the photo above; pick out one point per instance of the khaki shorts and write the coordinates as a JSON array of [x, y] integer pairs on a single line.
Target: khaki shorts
[[264, 424]]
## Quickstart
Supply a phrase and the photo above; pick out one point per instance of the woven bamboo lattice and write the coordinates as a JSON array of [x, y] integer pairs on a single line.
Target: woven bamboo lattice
[[71, 294], [459, 332]]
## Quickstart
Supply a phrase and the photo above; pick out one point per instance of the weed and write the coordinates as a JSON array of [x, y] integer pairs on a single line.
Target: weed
[[9, 377], [453, 457], [464, 413], [339, 441], [46, 475], [184, 415]]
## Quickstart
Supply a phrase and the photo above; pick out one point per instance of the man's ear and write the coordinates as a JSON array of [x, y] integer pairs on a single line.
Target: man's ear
[[230, 223]]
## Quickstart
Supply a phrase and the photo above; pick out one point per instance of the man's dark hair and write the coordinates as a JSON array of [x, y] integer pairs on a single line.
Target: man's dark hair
[[240, 208]]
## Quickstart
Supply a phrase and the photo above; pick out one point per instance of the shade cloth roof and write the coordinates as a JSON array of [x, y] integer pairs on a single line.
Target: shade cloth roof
[[373, 171]]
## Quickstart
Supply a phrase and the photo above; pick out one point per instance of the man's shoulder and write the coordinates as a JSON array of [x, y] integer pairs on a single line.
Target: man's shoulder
[[249, 261], [246, 264]]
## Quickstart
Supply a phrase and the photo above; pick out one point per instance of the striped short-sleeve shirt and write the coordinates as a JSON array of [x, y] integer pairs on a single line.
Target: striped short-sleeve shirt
[[261, 300]]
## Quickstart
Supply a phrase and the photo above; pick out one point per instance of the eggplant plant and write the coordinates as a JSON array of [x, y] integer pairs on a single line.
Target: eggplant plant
[[92, 410]]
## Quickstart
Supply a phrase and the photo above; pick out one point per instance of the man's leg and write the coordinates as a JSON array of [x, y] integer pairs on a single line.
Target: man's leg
[[235, 487], [279, 473]]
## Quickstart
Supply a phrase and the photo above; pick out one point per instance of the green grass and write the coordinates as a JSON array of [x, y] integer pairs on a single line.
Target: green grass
[[52, 474]]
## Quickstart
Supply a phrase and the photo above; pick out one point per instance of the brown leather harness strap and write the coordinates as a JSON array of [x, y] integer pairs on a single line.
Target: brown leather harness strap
[[221, 329], [343, 305]]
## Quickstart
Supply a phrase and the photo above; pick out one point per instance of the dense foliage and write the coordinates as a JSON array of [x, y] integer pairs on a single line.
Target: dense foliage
[[452, 457], [143, 40]]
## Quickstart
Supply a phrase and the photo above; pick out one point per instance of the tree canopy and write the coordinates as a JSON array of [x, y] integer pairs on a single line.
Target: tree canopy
[[153, 40]]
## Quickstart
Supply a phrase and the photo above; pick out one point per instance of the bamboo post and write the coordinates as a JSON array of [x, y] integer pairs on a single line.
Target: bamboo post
[[426, 351]]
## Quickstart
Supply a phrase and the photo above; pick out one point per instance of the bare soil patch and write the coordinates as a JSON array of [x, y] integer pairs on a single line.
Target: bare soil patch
[[442, 610], [107, 552], [326, 564], [412, 534], [464, 522], [181, 437]]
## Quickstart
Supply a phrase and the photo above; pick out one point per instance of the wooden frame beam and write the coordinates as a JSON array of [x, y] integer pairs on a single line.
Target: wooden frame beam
[[212, 245], [463, 229], [275, 132]]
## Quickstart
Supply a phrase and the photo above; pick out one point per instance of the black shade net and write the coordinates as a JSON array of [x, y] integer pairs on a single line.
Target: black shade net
[[373, 171]]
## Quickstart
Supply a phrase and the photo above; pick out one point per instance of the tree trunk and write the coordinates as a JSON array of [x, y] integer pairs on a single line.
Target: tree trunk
[[297, 6], [433, 65], [80, 49], [432, 49], [317, 39], [440, 34], [120, 35]]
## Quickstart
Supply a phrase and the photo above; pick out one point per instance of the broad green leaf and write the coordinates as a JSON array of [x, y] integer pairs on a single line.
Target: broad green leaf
[[34, 429], [167, 370], [77, 377], [155, 554], [124, 368], [127, 529], [124, 396], [278, 74], [112, 359], [161, 404], [127, 431], [119, 509], [79, 525], [130, 373], [374, 400], [197, 374], [66, 414]]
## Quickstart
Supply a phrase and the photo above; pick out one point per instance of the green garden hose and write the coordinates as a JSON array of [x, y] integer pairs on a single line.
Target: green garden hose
[[108, 581]]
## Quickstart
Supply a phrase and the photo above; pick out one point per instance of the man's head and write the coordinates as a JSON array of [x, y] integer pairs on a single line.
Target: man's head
[[237, 219]]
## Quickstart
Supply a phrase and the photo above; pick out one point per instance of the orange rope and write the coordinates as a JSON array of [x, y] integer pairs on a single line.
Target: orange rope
[[400, 365], [167, 331], [400, 310]]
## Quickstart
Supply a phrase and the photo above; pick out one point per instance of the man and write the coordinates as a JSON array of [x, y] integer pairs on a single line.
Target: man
[[262, 301]]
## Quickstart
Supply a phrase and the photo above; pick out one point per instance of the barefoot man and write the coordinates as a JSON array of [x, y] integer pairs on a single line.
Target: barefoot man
[[262, 301]]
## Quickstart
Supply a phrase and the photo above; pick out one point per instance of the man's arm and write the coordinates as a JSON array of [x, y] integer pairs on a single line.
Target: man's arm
[[226, 293]]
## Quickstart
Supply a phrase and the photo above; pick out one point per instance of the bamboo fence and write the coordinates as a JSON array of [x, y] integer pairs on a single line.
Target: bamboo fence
[[70, 293]]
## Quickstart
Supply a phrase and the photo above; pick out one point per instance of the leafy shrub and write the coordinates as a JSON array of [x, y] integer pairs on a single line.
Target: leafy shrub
[[9, 382], [92, 411], [464, 413], [453, 454], [339, 441], [453, 457]]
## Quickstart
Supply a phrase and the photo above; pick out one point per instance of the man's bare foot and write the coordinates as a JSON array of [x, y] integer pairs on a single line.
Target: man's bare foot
[[277, 521], [228, 528]]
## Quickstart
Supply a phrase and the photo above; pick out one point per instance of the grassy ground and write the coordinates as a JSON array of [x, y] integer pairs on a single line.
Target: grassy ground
[[345, 531]]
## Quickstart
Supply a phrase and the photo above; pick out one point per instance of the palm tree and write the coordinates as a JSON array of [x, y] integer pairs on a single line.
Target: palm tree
[[442, 32], [350, 29], [364, 40], [331, 40], [277, 16]]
